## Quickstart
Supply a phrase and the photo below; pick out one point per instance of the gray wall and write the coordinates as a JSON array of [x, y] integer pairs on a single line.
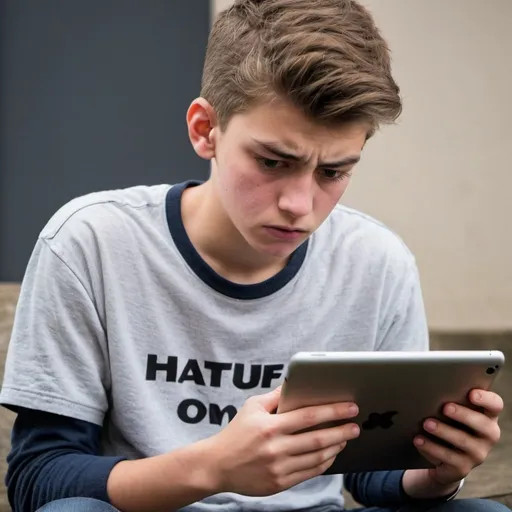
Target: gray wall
[[93, 95]]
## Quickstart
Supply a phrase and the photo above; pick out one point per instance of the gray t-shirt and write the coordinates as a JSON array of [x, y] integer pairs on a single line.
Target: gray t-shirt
[[119, 314]]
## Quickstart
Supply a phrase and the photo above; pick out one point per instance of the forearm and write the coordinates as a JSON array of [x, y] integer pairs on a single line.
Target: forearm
[[165, 482], [417, 484]]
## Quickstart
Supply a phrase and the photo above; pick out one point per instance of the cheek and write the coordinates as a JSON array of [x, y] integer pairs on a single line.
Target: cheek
[[329, 197], [249, 191]]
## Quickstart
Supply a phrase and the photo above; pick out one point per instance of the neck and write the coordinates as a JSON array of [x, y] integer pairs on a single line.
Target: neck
[[218, 241]]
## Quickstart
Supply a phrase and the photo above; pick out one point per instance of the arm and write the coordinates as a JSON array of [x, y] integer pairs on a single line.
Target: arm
[[408, 330], [58, 367], [258, 454], [404, 328], [55, 457]]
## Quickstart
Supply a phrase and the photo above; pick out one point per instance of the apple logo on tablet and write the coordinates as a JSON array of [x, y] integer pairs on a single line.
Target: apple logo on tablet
[[383, 420]]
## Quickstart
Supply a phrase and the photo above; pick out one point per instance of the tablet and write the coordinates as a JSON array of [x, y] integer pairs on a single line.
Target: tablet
[[395, 392]]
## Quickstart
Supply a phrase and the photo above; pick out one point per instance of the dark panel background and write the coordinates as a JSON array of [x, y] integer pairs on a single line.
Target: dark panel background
[[93, 95]]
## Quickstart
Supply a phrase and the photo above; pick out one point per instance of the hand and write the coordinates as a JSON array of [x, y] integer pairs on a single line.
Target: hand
[[260, 453], [470, 449]]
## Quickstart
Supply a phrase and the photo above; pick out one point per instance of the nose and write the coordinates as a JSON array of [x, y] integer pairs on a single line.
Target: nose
[[296, 197]]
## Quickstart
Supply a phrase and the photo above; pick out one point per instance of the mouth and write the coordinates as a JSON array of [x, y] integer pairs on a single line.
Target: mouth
[[288, 229], [285, 232]]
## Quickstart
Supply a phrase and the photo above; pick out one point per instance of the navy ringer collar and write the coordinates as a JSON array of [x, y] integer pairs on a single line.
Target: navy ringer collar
[[206, 273]]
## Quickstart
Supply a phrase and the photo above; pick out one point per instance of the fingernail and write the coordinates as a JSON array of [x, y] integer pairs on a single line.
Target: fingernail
[[355, 430], [353, 409], [430, 425], [450, 409], [419, 441], [478, 397]]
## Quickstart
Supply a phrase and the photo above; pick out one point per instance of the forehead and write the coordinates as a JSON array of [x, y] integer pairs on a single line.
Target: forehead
[[285, 124]]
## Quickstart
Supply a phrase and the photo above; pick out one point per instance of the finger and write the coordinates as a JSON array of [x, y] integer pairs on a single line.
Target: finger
[[433, 460], [433, 451], [310, 460], [306, 442], [313, 416], [491, 402], [478, 422], [475, 448]]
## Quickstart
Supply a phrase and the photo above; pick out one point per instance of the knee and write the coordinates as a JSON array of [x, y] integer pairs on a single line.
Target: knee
[[77, 505], [472, 505]]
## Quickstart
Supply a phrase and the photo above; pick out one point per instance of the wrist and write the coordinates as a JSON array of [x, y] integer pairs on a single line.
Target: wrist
[[164, 482], [419, 484], [206, 471]]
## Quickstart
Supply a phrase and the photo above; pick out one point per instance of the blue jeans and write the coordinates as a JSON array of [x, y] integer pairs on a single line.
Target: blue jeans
[[450, 506], [77, 505], [89, 505]]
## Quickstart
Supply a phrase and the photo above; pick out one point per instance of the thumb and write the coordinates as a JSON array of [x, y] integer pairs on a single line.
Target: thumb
[[270, 401]]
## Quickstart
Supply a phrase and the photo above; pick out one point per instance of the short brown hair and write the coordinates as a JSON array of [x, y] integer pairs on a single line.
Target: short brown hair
[[326, 57]]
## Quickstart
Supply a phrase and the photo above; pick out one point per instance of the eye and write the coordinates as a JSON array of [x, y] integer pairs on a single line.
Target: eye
[[268, 163], [333, 175]]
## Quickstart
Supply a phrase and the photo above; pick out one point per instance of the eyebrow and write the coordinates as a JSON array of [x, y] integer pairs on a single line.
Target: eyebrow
[[275, 149]]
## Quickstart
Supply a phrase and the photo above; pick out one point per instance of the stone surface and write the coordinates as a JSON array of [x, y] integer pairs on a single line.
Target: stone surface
[[492, 479], [8, 298]]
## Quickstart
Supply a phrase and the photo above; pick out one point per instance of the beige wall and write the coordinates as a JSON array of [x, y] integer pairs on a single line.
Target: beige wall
[[442, 178], [219, 5]]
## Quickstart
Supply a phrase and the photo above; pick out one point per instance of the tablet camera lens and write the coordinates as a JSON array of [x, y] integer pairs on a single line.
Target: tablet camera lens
[[490, 371]]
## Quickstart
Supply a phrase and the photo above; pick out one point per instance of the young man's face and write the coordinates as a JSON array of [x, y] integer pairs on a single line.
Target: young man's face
[[278, 175]]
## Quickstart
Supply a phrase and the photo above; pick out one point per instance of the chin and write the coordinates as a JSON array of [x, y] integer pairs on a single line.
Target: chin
[[277, 251]]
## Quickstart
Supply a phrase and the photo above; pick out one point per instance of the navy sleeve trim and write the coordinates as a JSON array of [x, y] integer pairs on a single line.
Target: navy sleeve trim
[[377, 489], [385, 489], [54, 457]]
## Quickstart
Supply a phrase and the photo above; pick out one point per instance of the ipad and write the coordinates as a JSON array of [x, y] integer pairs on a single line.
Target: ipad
[[395, 392]]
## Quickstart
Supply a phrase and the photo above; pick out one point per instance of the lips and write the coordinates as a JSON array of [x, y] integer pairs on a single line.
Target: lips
[[287, 229], [285, 233]]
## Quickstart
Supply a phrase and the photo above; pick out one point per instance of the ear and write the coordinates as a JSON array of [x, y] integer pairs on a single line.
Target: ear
[[201, 122]]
